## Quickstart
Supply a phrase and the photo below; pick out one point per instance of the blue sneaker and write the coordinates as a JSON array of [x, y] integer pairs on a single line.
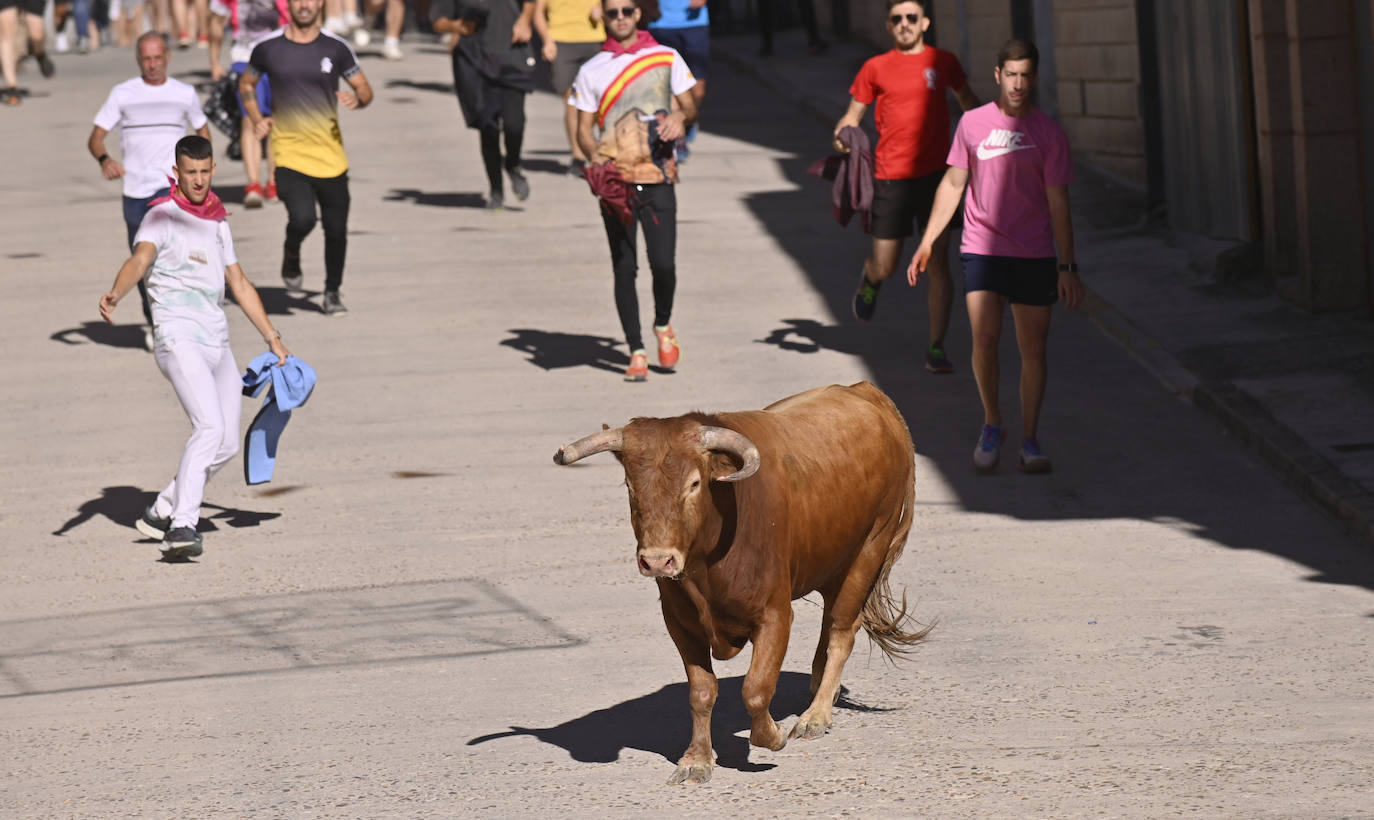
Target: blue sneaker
[[985, 455], [1033, 459]]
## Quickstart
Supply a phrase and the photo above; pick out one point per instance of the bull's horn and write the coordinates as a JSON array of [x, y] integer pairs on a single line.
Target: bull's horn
[[590, 445], [728, 441]]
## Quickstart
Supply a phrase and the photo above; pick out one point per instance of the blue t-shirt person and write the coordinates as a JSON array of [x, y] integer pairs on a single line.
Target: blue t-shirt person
[[678, 14]]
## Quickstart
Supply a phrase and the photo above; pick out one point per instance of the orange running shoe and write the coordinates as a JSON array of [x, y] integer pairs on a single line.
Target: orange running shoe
[[270, 190], [638, 371], [669, 350]]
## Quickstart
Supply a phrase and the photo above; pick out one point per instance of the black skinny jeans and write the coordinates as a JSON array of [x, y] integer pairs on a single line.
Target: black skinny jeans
[[655, 211], [300, 193], [512, 124]]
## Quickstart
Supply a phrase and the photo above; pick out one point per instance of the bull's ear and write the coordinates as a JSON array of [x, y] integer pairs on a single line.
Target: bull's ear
[[722, 465]]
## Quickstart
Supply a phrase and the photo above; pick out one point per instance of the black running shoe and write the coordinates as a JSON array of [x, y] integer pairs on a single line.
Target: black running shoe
[[519, 185], [181, 542], [152, 526], [45, 65], [865, 299], [332, 305]]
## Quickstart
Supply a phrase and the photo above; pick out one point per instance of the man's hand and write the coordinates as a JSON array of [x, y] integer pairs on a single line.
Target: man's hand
[[918, 264], [111, 169], [263, 127], [839, 146], [1070, 289], [107, 306], [520, 32], [672, 127], [280, 350], [695, 4], [595, 12], [550, 51], [348, 99]]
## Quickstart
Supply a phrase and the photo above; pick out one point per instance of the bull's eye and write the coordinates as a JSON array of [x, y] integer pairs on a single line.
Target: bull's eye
[[696, 483]]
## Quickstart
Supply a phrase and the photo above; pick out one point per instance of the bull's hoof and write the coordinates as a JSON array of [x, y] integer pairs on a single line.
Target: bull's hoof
[[809, 728], [691, 774]]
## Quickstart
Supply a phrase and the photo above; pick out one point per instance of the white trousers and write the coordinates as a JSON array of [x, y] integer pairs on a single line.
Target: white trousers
[[207, 382]]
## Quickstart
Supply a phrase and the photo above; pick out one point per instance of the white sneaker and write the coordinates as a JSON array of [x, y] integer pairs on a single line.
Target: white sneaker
[[391, 50], [336, 25], [351, 21], [360, 37], [60, 44]]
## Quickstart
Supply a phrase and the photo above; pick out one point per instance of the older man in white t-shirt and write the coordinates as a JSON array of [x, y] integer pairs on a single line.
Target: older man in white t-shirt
[[152, 112]]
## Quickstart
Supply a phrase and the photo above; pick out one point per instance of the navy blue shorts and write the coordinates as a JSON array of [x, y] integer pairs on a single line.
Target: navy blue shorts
[[1022, 281], [693, 43]]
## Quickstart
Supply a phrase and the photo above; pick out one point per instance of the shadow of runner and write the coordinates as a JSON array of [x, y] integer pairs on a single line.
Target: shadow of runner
[[452, 199], [102, 333], [124, 504], [552, 350], [660, 723]]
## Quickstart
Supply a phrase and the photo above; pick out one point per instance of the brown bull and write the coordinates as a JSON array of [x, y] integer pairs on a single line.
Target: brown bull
[[738, 514]]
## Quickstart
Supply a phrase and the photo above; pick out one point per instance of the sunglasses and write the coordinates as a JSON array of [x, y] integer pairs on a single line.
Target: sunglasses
[[627, 12], [896, 19]]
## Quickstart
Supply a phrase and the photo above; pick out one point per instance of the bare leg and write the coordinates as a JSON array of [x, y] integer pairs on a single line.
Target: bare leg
[[9, 56], [1032, 336], [395, 18], [883, 261], [217, 70], [985, 309], [940, 299], [179, 15], [37, 34], [202, 21], [251, 147]]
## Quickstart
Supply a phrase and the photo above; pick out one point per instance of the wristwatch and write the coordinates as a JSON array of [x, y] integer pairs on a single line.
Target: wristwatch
[[1068, 267]]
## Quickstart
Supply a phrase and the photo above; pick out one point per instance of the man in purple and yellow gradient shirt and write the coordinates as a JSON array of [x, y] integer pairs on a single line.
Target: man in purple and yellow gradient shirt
[[303, 65]]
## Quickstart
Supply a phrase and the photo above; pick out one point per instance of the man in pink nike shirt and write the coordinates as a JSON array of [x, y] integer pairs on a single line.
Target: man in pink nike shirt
[[1015, 162]]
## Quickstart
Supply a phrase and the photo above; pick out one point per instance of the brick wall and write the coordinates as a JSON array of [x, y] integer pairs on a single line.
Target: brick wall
[[1098, 83]]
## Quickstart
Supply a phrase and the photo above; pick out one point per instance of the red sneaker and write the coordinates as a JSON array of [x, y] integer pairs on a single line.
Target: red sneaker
[[252, 196], [638, 371], [669, 351], [270, 191]]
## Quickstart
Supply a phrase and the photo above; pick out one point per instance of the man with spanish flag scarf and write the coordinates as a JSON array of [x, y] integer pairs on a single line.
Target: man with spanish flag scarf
[[636, 94]]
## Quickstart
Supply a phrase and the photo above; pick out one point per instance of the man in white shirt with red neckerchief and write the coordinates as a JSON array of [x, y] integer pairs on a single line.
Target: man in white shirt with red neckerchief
[[185, 248], [152, 112], [628, 91]]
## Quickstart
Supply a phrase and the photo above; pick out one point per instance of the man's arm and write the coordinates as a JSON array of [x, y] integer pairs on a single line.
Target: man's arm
[[361, 95], [1070, 286], [248, 92], [203, 131], [129, 273], [947, 198], [109, 168], [520, 32], [675, 125], [248, 300], [967, 99], [585, 140], [852, 117], [541, 25]]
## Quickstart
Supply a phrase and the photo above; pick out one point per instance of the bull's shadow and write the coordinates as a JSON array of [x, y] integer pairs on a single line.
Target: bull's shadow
[[661, 723]]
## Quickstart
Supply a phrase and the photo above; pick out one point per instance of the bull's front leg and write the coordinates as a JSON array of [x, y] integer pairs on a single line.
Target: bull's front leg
[[770, 646], [697, 762]]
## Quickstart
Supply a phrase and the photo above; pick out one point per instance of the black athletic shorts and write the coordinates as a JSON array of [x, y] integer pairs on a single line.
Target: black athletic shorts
[[31, 6], [898, 203], [1022, 281]]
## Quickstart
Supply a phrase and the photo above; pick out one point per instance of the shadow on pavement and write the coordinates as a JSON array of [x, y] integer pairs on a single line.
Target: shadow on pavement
[[438, 200], [659, 723], [438, 88], [552, 350], [278, 301], [124, 504], [1122, 446], [102, 333]]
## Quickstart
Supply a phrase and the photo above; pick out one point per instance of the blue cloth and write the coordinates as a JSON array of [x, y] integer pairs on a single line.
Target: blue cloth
[[292, 384], [677, 14]]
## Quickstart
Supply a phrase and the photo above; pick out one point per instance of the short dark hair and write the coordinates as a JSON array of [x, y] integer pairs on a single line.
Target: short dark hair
[[194, 147], [922, 3], [1019, 49]]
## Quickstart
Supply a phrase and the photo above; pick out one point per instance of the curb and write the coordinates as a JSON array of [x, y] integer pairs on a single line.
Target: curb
[[1300, 466]]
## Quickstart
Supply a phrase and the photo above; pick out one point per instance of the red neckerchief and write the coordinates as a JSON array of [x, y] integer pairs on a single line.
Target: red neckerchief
[[211, 209], [642, 41]]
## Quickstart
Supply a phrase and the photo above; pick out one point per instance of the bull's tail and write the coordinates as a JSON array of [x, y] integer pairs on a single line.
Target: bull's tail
[[885, 619]]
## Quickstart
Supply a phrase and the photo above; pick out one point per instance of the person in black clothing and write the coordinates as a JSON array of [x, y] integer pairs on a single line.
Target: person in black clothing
[[493, 70]]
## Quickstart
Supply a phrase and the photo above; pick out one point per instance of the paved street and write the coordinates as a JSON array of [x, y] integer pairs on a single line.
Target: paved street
[[422, 616]]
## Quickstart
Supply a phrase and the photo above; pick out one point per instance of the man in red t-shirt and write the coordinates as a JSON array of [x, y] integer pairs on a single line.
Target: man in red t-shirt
[[906, 86]]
